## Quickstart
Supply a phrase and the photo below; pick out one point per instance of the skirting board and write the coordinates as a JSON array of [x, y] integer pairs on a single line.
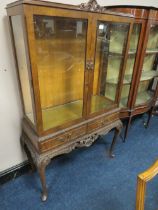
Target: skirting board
[[14, 172]]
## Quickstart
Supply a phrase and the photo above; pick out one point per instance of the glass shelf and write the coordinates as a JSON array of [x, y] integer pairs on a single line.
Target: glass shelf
[[147, 75], [143, 97]]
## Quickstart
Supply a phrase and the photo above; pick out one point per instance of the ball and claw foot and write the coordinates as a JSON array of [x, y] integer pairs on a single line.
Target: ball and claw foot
[[44, 197]]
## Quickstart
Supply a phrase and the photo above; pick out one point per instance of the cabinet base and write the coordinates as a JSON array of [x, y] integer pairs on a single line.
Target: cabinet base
[[41, 160]]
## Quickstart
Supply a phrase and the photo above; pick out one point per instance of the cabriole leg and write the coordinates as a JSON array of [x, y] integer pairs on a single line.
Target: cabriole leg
[[30, 159], [116, 134], [146, 124], [41, 169], [127, 128], [33, 168]]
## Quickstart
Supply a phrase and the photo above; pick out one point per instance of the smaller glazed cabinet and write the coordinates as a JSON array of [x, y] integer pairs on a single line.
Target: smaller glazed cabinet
[[80, 69], [139, 90]]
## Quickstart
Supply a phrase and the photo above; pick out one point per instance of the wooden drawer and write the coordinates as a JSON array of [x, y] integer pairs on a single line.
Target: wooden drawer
[[77, 132], [52, 143], [101, 122], [62, 139], [94, 125]]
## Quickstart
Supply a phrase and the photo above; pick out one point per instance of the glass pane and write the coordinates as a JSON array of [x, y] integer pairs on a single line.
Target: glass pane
[[60, 48], [111, 42], [130, 64], [153, 38], [22, 65], [148, 80]]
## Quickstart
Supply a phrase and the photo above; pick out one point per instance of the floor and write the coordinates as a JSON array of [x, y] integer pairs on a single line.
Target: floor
[[87, 179]]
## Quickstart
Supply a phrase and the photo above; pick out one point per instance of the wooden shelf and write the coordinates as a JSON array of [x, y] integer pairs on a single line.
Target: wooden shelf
[[151, 51], [114, 81], [117, 54], [132, 52], [143, 97], [147, 75]]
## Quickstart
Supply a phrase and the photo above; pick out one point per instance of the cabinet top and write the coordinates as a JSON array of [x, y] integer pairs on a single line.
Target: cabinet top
[[90, 6], [137, 11]]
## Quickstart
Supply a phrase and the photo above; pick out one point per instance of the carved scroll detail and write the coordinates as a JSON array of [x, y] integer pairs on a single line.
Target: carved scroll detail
[[88, 141], [93, 6]]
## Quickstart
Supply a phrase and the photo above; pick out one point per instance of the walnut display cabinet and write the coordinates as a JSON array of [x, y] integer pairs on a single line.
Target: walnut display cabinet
[[139, 90], [76, 65]]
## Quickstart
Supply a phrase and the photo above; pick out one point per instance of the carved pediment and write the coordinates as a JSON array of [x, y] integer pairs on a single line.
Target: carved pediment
[[93, 6]]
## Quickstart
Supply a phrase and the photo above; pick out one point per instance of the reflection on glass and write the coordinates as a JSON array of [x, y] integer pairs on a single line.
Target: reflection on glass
[[22, 65], [148, 80], [130, 64], [111, 42], [60, 48]]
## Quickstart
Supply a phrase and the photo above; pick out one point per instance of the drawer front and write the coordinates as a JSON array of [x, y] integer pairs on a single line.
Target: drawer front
[[77, 132], [62, 139], [52, 143], [94, 125], [101, 122]]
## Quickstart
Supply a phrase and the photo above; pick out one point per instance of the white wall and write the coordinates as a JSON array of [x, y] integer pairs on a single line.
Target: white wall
[[10, 106]]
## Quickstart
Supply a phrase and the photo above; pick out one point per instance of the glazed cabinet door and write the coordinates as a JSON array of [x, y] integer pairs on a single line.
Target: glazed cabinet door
[[149, 75], [57, 41], [130, 65], [111, 41]]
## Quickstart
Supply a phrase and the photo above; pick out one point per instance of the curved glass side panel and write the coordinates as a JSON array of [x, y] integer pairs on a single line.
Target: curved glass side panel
[[149, 77], [130, 64], [22, 65]]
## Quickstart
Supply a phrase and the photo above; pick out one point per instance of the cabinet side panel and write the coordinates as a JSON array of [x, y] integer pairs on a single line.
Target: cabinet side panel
[[18, 36]]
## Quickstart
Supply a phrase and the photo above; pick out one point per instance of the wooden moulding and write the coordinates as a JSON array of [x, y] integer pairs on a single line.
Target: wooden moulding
[[91, 6], [153, 15], [136, 12], [142, 180]]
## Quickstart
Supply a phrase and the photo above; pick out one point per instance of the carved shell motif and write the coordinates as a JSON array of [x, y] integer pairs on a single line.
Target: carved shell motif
[[93, 6]]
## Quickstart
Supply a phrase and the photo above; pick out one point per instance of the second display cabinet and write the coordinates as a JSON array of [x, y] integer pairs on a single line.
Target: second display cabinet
[[139, 90]]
